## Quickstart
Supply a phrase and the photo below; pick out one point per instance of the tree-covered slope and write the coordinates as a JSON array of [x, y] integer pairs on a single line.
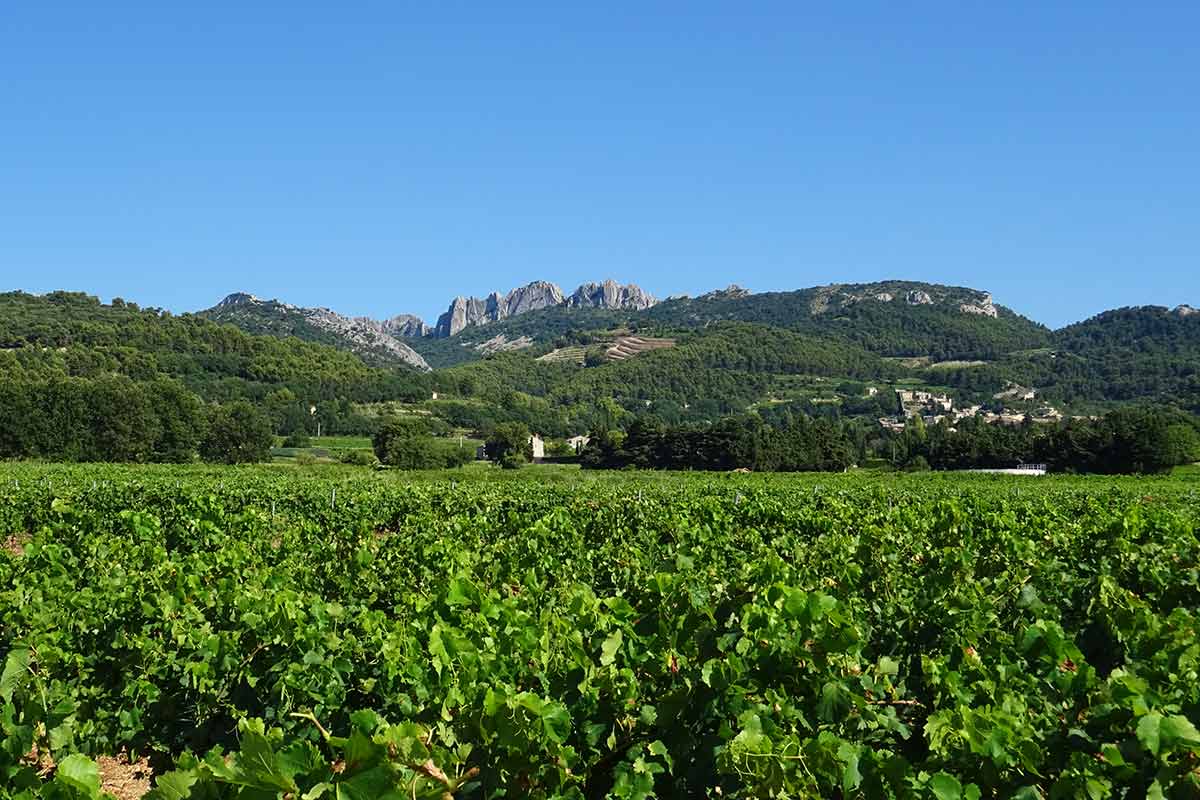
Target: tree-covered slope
[[1139, 354], [71, 334], [710, 373], [377, 342], [1146, 352], [892, 318]]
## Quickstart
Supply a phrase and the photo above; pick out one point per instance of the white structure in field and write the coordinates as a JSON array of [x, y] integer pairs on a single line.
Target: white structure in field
[[537, 446], [1023, 469]]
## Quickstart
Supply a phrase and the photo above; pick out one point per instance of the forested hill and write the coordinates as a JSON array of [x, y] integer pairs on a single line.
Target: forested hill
[[1140, 354], [1147, 352], [67, 334], [711, 373], [1139, 329], [378, 343], [836, 351], [891, 318]]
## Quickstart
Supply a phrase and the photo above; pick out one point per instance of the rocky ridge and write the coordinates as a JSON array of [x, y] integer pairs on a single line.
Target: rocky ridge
[[406, 325], [466, 312], [825, 299], [365, 336]]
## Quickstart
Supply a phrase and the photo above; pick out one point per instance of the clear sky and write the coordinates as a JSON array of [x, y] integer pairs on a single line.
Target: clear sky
[[381, 157]]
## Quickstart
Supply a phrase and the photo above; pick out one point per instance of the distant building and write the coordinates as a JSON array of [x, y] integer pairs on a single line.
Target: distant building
[[1014, 391], [577, 443], [914, 403], [536, 444]]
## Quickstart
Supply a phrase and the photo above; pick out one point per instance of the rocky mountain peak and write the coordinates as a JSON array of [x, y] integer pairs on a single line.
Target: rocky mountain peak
[[238, 299], [612, 295], [1185, 311], [407, 325], [466, 312]]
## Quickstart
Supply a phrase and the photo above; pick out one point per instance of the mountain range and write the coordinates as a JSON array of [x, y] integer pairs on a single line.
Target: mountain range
[[568, 362], [381, 340], [406, 339]]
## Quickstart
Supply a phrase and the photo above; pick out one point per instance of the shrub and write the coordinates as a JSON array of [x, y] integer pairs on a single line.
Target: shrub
[[405, 442], [359, 458], [508, 445], [297, 439], [238, 433]]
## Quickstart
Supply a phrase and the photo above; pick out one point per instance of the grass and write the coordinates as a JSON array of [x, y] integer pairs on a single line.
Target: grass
[[342, 442]]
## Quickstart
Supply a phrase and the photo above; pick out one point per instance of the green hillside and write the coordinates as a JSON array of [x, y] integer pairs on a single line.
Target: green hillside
[[73, 334], [832, 352], [891, 318]]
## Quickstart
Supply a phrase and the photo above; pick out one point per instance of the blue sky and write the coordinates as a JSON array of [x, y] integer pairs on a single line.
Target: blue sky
[[381, 157]]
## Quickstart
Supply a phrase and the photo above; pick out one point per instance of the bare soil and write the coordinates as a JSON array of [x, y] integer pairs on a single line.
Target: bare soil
[[124, 779], [14, 543]]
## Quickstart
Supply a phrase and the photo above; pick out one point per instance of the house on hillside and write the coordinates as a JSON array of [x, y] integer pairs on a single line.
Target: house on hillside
[[577, 443]]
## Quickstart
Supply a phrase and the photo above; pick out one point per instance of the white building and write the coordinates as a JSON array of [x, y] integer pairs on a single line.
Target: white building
[[537, 446]]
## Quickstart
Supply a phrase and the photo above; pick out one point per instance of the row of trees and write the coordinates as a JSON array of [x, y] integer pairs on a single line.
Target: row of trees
[[1129, 440], [797, 444], [114, 418]]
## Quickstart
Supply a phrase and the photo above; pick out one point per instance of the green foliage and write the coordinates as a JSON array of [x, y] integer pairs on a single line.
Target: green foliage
[[456, 454], [298, 439], [895, 637], [65, 334], [508, 445], [108, 418], [238, 433], [404, 442], [1137, 439], [796, 444], [358, 458]]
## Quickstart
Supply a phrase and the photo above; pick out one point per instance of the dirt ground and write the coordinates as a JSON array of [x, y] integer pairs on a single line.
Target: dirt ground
[[124, 779]]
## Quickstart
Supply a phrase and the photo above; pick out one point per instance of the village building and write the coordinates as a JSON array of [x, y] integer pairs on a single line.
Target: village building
[[913, 403], [537, 448]]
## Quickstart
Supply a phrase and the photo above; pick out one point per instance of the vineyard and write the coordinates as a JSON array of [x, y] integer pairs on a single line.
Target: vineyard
[[268, 633]]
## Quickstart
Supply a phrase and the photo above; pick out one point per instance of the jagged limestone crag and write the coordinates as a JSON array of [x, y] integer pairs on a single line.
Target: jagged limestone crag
[[406, 325], [466, 312], [610, 294]]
